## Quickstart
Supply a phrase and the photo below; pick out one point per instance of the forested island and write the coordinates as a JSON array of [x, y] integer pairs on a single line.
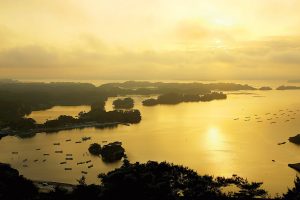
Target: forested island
[[126, 103], [175, 98]]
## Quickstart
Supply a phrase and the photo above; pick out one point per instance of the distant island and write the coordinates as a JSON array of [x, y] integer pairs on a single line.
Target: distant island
[[265, 88], [174, 98], [288, 87]]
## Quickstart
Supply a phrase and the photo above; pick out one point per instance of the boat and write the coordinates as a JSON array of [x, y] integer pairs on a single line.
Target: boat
[[62, 163], [36, 160], [85, 138], [80, 163], [25, 160], [56, 143], [67, 169], [69, 154], [88, 161], [15, 152], [58, 151], [90, 166], [46, 154], [37, 149], [83, 172], [69, 158], [68, 140], [78, 142], [44, 160]]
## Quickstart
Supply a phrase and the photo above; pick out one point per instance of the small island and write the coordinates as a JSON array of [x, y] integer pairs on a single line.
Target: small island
[[265, 88], [126, 103], [110, 153], [95, 149], [295, 139]]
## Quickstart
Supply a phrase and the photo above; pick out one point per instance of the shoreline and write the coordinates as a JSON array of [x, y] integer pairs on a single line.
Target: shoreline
[[4, 133]]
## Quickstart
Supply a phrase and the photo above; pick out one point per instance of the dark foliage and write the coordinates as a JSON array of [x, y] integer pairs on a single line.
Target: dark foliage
[[126, 103], [95, 149]]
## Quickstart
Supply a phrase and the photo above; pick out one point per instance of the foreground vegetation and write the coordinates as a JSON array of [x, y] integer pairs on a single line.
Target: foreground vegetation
[[149, 181]]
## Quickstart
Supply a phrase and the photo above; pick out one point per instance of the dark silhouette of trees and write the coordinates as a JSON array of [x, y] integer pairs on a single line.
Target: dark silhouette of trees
[[95, 149], [294, 193], [126, 103], [13, 186]]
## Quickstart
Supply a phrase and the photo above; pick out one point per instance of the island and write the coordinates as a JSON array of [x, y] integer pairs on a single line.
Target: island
[[295, 139], [295, 166], [288, 87], [265, 88], [110, 153], [126, 103], [175, 98], [95, 149]]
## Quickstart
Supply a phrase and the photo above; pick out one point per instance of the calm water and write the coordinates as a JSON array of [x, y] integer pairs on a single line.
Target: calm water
[[202, 136]]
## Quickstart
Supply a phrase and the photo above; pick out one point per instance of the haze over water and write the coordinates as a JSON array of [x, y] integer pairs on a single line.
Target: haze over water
[[219, 138]]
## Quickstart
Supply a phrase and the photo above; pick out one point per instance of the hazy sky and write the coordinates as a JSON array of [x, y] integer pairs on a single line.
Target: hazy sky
[[150, 39]]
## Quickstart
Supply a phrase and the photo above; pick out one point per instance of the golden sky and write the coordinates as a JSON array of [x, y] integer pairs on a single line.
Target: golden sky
[[150, 39]]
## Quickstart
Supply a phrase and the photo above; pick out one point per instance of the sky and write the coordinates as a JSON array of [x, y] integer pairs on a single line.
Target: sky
[[150, 39]]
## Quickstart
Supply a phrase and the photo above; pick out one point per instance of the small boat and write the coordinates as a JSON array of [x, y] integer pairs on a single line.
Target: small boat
[[90, 166], [62, 163], [83, 172], [69, 154], [44, 160], [85, 138], [37, 149], [15, 152], [56, 143], [46, 154], [88, 161], [68, 169], [236, 119], [69, 158], [281, 143], [78, 142], [104, 141], [25, 160], [80, 163], [68, 140], [35, 160], [273, 160], [58, 151]]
